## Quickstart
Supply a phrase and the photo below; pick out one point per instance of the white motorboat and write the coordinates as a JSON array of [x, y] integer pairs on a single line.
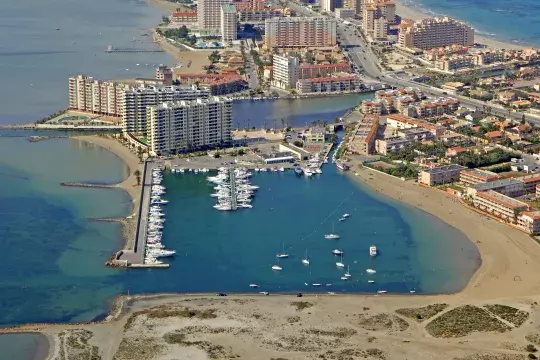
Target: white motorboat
[[372, 250], [281, 169], [305, 260], [412, 291], [316, 284], [382, 292], [298, 170], [337, 252], [333, 235], [370, 271], [277, 267], [342, 219], [371, 281], [162, 253], [253, 286], [344, 278]]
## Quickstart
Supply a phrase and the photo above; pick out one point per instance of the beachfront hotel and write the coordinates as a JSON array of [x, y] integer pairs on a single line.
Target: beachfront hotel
[[134, 102], [209, 15], [228, 22], [440, 175], [94, 96], [499, 205], [300, 32], [187, 125], [435, 32]]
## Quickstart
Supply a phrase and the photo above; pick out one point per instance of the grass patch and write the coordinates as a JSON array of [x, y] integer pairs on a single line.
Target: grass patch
[[383, 322], [533, 338], [463, 321], [422, 313], [341, 333], [508, 313], [213, 351], [301, 305]]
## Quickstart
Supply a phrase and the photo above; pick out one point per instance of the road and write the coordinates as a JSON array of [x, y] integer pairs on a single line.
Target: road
[[251, 68]]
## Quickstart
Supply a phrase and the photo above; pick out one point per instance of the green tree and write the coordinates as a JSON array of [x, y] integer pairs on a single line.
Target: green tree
[[137, 174]]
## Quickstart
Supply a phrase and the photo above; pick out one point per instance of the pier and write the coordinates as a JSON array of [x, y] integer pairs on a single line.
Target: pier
[[87, 185], [112, 49], [232, 180]]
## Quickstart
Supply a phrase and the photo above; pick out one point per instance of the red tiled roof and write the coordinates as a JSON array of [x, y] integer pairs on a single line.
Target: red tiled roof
[[342, 78], [492, 134], [325, 66], [185, 13]]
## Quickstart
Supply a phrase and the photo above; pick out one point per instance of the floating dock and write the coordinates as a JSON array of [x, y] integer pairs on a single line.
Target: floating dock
[[232, 179]]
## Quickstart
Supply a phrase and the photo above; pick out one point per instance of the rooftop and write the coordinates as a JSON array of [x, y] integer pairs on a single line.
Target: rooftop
[[480, 173], [228, 8], [501, 199], [441, 169], [497, 184]]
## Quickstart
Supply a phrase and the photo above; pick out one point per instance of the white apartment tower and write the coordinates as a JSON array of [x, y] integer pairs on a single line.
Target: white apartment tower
[[209, 14], [94, 96], [436, 32], [134, 102], [185, 125], [286, 71], [228, 22], [300, 32], [331, 5]]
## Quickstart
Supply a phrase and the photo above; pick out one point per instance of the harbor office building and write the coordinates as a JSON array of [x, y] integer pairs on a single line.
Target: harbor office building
[[186, 125]]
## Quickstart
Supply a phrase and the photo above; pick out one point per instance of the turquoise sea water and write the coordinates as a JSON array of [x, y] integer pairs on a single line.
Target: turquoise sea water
[[514, 21]]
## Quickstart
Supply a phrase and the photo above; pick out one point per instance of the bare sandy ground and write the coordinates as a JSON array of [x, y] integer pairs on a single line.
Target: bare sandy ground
[[167, 5], [196, 60], [414, 14]]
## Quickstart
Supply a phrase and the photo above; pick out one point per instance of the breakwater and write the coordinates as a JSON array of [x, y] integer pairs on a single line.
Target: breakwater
[[87, 185]]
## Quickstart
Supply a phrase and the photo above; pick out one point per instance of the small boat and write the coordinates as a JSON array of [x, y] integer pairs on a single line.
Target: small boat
[[342, 219], [282, 255], [412, 291], [305, 260], [253, 285], [337, 252], [277, 267], [372, 250], [346, 215], [332, 236], [344, 278], [381, 292], [316, 284], [298, 170], [342, 166], [340, 263], [370, 271], [57, 29], [263, 292], [371, 281]]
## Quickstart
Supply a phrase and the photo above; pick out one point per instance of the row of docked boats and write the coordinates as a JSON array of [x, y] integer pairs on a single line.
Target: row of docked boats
[[233, 189], [155, 249], [176, 170], [272, 169]]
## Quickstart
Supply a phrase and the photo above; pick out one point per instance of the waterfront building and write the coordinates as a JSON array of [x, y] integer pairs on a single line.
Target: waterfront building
[[435, 32], [510, 187], [440, 175], [134, 102], [164, 74], [228, 22], [298, 152], [363, 139], [184, 17], [286, 71], [300, 32], [209, 15], [94, 96], [387, 145], [470, 177], [329, 84], [344, 13], [499, 205], [529, 221], [189, 124], [278, 157], [258, 15], [489, 57], [225, 85], [322, 70], [315, 138]]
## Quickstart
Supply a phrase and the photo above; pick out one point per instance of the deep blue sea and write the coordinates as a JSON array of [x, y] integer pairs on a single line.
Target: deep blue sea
[[508, 20]]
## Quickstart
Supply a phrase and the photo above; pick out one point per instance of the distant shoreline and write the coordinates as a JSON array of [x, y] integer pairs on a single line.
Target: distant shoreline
[[415, 13]]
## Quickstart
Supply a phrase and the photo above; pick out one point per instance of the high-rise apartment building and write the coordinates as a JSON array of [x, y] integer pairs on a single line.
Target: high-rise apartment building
[[331, 5], [376, 16], [186, 125], [435, 32], [95, 96], [286, 71], [134, 102], [164, 74], [209, 14], [228, 22], [299, 32]]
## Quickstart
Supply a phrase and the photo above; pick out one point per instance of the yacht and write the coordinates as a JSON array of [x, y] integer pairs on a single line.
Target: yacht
[[282, 255], [342, 166], [372, 250], [298, 170], [344, 278], [337, 252], [382, 292], [316, 284], [340, 263], [333, 235], [370, 271], [346, 215], [253, 286], [162, 253], [305, 260], [347, 274], [371, 281]]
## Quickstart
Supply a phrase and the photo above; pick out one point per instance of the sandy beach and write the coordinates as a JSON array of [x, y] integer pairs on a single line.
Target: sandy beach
[[415, 14]]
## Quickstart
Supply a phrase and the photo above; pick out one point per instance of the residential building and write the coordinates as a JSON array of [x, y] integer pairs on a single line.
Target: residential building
[[344, 13], [510, 187], [225, 85], [376, 106], [530, 182], [364, 136], [489, 57], [209, 14], [286, 71], [164, 74], [380, 28], [440, 175], [437, 107], [387, 145], [329, 84], [330, 5], [376, 16], [228, 22], [538, 191], [404, 122], [134, 101], [186, 125], [529, 221], [315, 137], [258, 15], [476, 176], [499, 205], [94, 96], [300, 32], [454, 63], [494, 136], [415, 134], [322, 70], [184, 17], [436, 32]]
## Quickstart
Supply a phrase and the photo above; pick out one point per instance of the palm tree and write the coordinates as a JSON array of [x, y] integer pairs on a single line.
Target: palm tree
[[137, 174]]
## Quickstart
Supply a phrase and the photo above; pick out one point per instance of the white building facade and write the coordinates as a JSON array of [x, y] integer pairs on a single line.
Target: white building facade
[[286, 71]]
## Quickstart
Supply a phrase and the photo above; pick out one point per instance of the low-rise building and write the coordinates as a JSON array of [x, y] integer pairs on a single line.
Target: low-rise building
[[299, 153], [437, 107], [315, 139], [376, 107], [225, 85], [329, 84], [530, 182], [390, 144], [499, 205], [477, 176], [344, 13], [184, 17], [278, 157], [538, 191], [416, 134], [322, 70], [510, 187], [398, 121], [529, 221], [494, 136], [440, 175], [364, 136]]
